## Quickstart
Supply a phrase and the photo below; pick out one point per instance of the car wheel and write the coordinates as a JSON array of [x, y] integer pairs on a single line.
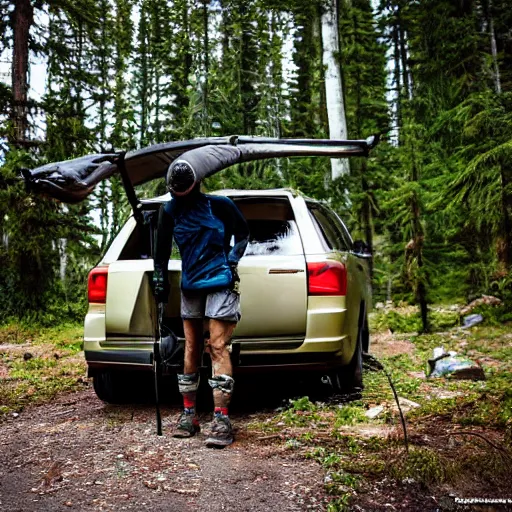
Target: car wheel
[[110, 387], [349, 378]]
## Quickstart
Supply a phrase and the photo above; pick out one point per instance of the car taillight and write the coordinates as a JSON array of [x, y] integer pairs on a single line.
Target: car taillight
[[97, 285], [327, 278]]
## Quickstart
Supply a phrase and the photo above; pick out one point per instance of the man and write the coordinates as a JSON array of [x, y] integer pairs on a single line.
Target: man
[[203, 227]]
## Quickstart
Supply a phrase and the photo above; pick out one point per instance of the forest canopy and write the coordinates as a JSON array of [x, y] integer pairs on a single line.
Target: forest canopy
[[433, 78]]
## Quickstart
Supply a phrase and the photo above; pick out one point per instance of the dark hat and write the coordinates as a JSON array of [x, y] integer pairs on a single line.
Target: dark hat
[[181, 178]]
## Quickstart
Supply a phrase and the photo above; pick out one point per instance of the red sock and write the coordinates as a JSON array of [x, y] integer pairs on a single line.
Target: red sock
[[221, 410], [189, 402]]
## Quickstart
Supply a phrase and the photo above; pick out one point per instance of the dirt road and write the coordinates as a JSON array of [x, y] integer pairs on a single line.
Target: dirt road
[[79, 454]]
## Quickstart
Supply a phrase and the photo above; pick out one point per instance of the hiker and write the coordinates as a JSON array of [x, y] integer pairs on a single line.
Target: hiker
[[203, 227]]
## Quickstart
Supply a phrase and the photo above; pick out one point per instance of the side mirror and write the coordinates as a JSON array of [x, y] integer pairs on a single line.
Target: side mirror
[[361, 250]]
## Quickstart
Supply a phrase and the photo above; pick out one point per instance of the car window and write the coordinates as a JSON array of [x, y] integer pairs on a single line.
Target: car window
[[273, 237], [345, 240], [331, 228]]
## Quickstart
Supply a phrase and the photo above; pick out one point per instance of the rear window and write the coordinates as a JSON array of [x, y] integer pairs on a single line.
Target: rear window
[[272, 227], [273, 237]]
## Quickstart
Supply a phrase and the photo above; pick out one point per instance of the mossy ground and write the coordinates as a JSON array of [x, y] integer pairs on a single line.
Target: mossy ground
[[460, 436], [38, 363]]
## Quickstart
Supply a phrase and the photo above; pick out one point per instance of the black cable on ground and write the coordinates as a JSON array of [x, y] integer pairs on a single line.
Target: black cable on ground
[[371, 363]]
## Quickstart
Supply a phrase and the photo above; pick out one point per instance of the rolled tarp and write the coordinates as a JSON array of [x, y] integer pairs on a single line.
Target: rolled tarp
[[209, 160], [72, 181]]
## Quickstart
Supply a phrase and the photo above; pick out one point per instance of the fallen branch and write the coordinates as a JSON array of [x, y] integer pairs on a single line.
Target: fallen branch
[[481, 436], [268, 438]]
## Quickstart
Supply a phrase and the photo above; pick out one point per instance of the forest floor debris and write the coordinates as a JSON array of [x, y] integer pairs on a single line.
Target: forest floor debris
[[315, 453]]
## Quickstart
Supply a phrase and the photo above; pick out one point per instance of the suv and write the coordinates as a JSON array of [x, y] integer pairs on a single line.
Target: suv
[[304, 283], [305, 295]]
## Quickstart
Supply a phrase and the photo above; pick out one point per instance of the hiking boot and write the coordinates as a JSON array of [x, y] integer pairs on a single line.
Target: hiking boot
[[221, 432], [187, 426]]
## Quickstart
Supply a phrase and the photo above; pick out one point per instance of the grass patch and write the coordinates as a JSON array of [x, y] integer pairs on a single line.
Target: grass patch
[[37, 363], [436, 461], [395, 321], [423, 465]]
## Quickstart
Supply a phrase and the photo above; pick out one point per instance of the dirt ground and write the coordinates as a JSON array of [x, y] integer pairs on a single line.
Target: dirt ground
[[74, 452], [78, 453]]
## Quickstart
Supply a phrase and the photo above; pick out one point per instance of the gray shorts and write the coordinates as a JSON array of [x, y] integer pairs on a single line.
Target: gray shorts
[[222, 305]]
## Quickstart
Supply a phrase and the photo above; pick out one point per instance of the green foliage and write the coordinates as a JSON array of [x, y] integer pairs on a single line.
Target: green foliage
[[399, 322], [30, 257], [424, 466], [349, 415], [433, 202]]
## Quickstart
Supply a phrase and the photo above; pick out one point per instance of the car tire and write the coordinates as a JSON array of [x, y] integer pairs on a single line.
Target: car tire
[[111, 387], [349, 378]]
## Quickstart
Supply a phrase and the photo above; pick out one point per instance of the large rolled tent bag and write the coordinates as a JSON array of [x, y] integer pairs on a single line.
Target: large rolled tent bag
[[71, 181]]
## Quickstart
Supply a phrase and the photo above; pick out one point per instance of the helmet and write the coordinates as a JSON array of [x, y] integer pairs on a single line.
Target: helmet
[[181, 178]]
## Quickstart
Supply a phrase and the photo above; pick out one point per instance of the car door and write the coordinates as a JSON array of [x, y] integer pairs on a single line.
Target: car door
[[273, 277]]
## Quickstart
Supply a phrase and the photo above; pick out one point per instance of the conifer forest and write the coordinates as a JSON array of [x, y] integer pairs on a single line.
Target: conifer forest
[[433, 78]]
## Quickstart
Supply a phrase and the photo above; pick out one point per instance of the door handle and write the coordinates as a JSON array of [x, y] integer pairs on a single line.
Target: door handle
[[285, 270]]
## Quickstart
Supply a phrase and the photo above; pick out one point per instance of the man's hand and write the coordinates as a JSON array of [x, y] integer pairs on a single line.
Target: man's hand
[[235, 283], [160, 286]]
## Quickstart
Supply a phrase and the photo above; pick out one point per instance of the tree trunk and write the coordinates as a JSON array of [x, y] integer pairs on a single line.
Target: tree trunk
[[333, 84], [505, 241], [418, 237], [23, 17], [317, 36], [206, 49], [397, 78], [403, 55], [144, 92], [494, 53]]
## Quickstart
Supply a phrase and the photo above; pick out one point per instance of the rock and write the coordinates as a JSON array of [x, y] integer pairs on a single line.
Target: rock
[[484, 299], [374, 412], [404, 402], [27, 356], [406, 405]]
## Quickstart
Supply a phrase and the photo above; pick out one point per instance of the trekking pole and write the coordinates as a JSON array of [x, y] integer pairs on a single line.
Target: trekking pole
[[157, 367]]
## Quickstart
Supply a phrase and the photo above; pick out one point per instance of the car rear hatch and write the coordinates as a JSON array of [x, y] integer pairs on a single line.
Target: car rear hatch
[[272, 272], [273, 276]]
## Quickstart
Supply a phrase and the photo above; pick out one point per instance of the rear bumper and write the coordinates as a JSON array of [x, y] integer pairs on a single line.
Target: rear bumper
[[133, 360]]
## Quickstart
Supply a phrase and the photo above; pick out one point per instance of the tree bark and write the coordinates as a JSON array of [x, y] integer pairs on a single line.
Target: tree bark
[[505, 242], [333, 84], [494, 53], [206, 49], [23, 18], [403, 55], [397, 78], [418, 237]]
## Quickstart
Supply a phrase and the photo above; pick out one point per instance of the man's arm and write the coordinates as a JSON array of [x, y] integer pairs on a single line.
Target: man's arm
[[240, 234], [162, 252]]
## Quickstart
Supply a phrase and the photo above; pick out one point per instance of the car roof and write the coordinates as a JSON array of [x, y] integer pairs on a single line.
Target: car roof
[[273, 192]]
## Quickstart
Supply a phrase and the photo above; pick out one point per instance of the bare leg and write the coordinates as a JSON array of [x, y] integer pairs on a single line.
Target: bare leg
[[193, 340], [188, 381], [220, 338]]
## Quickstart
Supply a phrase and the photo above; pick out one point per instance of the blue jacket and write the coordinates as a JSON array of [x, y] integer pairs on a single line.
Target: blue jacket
[[203, 227]]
